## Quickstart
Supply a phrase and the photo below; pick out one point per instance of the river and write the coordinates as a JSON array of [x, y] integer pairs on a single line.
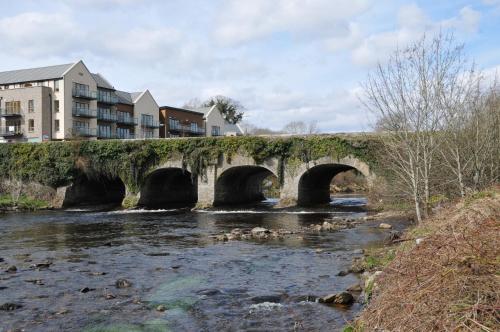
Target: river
[[170, 259]]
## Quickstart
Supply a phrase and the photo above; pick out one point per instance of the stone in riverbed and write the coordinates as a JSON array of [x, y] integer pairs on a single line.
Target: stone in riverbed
[[259, 231], [123, 283], [161, 308], [340, 298], [384, 226], [342, 273], [11, 269], [10, 306], [356, 288]]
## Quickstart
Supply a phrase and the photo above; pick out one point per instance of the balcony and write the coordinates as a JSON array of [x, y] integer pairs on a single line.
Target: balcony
[[84, 94], [150, 123], [106, 116], [84, 132], [126, 120], [176, 127], [105, 134], [84, 112], [10, 113], [125, 136], [112, 100], [11, 131]]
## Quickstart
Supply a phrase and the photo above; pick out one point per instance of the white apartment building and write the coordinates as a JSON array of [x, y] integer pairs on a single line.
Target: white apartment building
[[69, 102], [216, 125]]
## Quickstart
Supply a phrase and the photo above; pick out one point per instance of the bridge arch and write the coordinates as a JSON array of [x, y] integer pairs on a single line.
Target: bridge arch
[[87, 190], [168, 187], [313, 186], [241, 185]]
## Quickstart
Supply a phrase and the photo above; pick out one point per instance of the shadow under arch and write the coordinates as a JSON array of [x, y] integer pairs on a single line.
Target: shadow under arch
[[90, 191], [169, 187], [314, 184], [241, 185]]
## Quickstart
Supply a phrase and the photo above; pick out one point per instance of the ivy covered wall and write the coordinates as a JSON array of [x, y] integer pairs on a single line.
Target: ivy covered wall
[[58, 163]]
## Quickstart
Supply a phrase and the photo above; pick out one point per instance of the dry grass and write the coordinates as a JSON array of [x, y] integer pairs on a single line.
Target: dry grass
[[450, 281]]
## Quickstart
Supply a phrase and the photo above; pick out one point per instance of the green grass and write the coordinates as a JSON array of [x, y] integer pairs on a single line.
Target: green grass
[[23, 203]]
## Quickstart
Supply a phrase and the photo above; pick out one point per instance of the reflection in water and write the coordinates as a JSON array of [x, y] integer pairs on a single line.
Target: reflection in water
[[171, 260]]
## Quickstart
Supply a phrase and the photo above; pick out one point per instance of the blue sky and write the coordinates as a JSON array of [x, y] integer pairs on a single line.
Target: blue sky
[[284, 60]]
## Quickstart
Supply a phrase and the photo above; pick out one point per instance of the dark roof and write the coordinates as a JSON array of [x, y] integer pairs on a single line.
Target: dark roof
[[135, 95], [34, 74], [124, 97], [180, 109], [102, 82]]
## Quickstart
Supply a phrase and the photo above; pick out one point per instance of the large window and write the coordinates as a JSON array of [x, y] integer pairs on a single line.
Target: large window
[[56, 125], [81, 89], [194, 127], [31, 125], [56, 105], [104, 131], [31, 106], [56, 85], [80, 106], [148, 133], [215, 131], [123, 133], [13, 107]]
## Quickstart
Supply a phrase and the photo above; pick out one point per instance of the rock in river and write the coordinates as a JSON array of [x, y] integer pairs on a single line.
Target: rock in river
[[258, 231], [10, 306], [11, 269], [340, 298], [384, 226], [123, 283]]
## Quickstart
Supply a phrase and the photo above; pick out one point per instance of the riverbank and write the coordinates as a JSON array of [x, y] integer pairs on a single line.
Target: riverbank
[[441, 275], [23, 203]]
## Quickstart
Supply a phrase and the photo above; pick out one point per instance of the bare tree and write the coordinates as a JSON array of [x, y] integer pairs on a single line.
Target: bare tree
[[301, 128], [406, 95]]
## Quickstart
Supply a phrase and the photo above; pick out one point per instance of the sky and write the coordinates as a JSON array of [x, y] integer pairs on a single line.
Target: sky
[[284, 60]]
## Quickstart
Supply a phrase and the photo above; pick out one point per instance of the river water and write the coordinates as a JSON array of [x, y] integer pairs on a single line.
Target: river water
[[170, 259]]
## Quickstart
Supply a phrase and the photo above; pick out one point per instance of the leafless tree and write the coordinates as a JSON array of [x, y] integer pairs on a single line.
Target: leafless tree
[[406, 95], [301, 128]]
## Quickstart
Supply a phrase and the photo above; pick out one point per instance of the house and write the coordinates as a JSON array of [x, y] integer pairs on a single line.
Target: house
[[216, 125], [68, 101], [179, 122]]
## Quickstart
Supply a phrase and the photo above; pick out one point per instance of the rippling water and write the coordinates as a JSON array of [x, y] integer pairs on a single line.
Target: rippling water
[[170, 259]]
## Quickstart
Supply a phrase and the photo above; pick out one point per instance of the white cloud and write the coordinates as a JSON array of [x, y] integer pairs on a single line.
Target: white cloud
[[39, 34], [242, 21]]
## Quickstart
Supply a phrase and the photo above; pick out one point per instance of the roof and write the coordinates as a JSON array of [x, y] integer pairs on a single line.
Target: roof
[[34, 74], [102, 82], [124, 97], [204, 110], [136, 95], [181, 110]]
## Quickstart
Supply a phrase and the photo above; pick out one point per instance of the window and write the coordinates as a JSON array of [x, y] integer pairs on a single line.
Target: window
[[148, 133], [56, 125], [173, 124], [56, 85], [194, 127], [123, 133], [80, 106], [13, 107], [104, 131], [81, 90], [31, 106], [215, 131], [56, 105], [31, 125]]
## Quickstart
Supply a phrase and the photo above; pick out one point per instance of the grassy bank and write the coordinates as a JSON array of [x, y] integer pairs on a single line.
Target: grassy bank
[[23, 203], [444, 275]]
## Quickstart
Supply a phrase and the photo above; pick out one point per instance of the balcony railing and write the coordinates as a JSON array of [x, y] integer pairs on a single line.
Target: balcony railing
[[10, 113], [106, 116], [84, 94], [175, 126], [128, 120], [107, 99], [11, 131], [84, 112], [125, 135], [84, 132], [105, 134], [150, 123]]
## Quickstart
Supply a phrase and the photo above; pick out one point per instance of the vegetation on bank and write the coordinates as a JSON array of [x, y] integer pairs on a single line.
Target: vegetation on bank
[[58, 163], [443, 274], [24, 203]]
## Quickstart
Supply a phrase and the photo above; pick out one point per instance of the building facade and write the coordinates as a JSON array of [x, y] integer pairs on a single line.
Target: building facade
[[67, 102], [178, 122], [216, 125]]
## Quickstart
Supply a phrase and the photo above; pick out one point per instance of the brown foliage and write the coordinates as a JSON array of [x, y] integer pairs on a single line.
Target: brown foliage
[[450, 281]]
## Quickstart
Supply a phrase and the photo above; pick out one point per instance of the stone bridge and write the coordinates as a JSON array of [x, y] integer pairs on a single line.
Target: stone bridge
[[226, 181]]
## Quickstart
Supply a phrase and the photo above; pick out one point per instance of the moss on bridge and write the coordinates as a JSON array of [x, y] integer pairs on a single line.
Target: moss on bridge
[[58, 163]]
